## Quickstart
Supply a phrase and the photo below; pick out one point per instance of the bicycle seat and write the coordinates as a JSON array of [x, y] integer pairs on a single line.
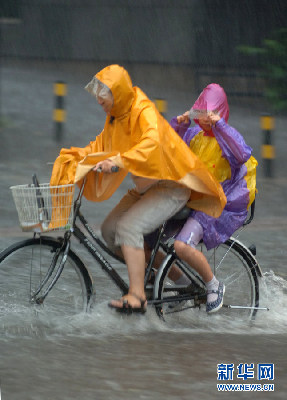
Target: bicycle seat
[[181, 214]]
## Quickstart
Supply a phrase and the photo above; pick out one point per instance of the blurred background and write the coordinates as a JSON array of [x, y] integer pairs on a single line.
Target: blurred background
[[167, 45], [172, 50], [201, 34]]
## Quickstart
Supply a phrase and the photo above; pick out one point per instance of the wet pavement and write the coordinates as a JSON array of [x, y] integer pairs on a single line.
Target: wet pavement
[[103, 355]]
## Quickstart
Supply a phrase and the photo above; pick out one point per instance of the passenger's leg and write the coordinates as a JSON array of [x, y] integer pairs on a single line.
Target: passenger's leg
[[175, 274], [185, 247], [194, 258]]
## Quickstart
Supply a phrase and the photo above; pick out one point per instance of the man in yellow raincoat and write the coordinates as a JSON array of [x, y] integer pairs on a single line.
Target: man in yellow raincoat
[[166, 174]]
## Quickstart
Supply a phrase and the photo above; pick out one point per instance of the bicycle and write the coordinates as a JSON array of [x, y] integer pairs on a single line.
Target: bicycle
[[44, 270]]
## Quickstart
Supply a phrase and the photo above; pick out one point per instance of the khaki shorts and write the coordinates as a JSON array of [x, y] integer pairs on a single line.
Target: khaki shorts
[[137, 214]]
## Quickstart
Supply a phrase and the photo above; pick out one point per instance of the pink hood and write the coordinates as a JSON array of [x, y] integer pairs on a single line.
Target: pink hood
[[212, 98]]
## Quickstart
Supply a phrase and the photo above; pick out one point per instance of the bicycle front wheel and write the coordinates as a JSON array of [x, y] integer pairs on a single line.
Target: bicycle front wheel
[[25, 265]]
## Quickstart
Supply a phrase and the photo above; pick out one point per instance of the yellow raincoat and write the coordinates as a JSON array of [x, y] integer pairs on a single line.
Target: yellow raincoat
[[140, 141]]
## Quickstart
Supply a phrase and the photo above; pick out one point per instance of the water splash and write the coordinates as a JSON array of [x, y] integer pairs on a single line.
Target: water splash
[[273, 294], [103, 322]]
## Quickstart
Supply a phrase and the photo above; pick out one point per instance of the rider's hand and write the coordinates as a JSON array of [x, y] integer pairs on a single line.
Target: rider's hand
[[105, 166], [184, 118]]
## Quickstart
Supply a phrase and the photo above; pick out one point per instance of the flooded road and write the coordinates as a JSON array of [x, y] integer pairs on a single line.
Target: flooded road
[[103, 355]]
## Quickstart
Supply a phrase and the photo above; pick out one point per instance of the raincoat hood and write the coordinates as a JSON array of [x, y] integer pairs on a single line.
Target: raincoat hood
[[117, 79], [212, 98]]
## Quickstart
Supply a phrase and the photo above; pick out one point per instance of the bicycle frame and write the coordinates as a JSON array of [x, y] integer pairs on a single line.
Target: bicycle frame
[[92, 249], [106, 265], [96, 254], [112, 273]]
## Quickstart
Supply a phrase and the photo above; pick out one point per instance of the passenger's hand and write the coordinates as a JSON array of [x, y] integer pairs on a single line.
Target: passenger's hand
[[213, 118], [184, 118], [106, 166]]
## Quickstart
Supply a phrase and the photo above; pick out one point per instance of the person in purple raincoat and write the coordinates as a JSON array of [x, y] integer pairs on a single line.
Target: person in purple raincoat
[[228, 157]]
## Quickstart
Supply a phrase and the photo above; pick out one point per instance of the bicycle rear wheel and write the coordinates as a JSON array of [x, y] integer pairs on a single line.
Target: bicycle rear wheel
[[177, 299], [238, 269], [233, 264], [24, 265]]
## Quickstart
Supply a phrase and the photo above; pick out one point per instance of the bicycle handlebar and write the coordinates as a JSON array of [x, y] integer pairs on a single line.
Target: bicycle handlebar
[[114, 168]]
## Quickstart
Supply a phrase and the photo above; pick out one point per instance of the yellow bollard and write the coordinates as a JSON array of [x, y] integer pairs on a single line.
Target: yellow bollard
[[267, 148], [59, 113], [161, 105]]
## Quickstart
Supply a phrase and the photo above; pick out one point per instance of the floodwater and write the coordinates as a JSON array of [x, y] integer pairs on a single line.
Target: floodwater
[[103, 355]]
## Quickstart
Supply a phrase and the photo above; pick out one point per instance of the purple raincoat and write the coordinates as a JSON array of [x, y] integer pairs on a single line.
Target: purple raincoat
[[233, 148]]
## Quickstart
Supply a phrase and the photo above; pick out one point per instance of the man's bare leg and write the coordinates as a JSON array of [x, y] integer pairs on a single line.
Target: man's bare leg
[[135, 261]]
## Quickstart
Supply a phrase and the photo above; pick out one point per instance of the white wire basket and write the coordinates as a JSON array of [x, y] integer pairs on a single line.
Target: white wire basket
[[44, 208]]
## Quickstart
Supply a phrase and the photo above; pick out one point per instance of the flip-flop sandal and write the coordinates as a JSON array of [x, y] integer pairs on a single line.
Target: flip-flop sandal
[[128, 309]]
